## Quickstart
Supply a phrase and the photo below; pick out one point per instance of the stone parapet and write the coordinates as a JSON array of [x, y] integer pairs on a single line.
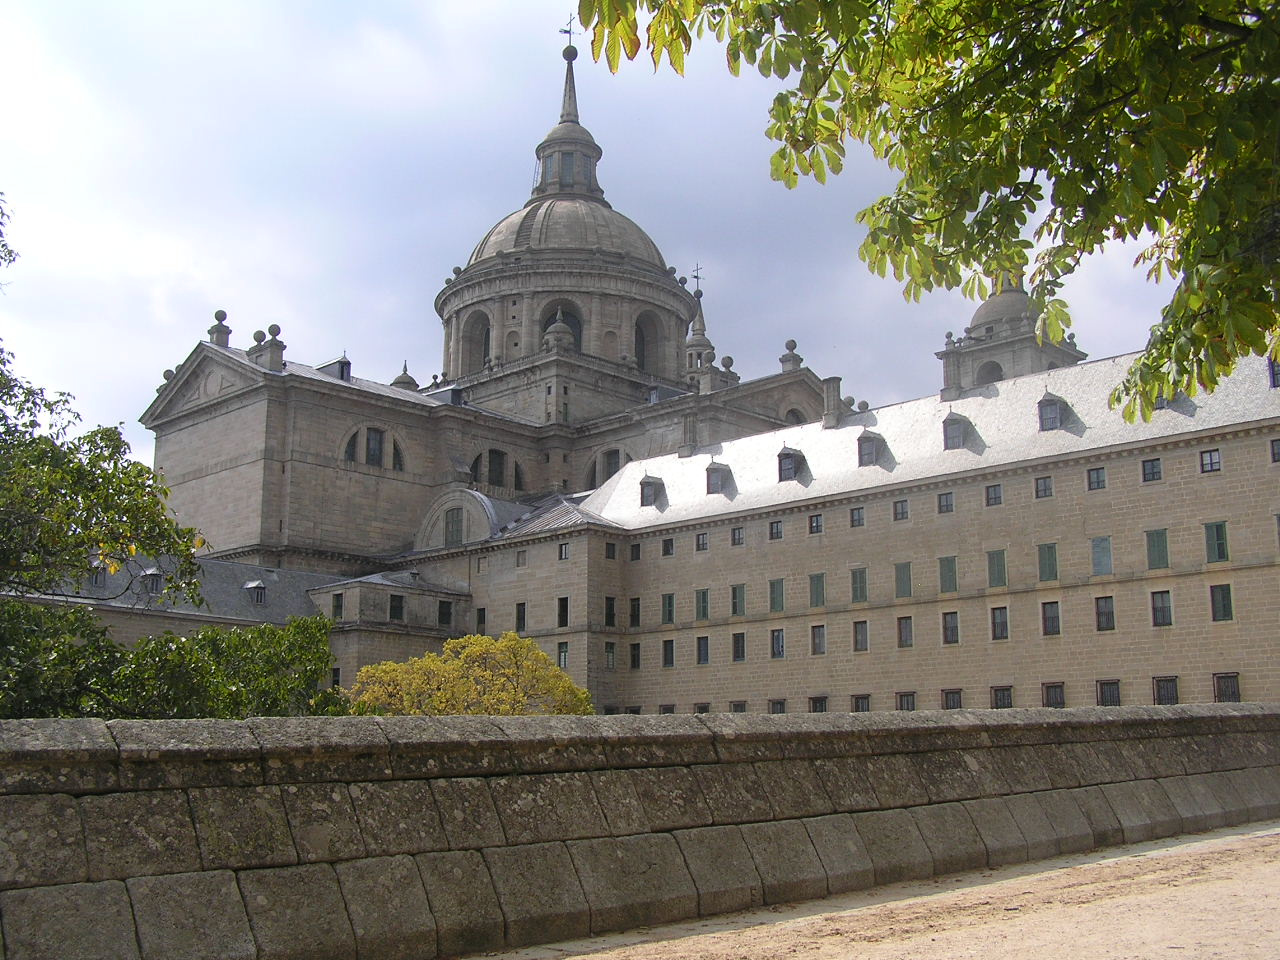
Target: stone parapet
[[425, 837]]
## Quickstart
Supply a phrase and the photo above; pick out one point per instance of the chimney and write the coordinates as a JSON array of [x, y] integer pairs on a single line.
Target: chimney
[[831, 403]]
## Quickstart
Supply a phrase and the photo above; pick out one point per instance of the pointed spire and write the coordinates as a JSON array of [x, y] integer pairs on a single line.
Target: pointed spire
[[569, 106]]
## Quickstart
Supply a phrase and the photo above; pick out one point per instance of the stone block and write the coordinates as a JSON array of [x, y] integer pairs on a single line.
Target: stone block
[[553, 744], [297, 913], [322, 821], [1103, 821], [657, 741], [744, 737], [847, 781], [73, 921], [895, 780], [242, 827], [1189, 803], [616, 795], [788, 865], [57, 756], [425, 747], [841, 851], [388, 908], [950, 775], [1258, 792], [540, 807], [398, 816], [322, 748], [633, 881], [1037, 830], [1113, 765], [155, 754], [1206, 800], [137, 834], [1061, 764], [1154, 756], [467, 814], [191, 916], [1072, 827], [671, 798], [539, 892], [952, 839], [722, 869], [793, 789], [893, 841], [41, 841], [733, 791], [1235, 809], [999, 830], [1021, 768], [465, 908], [1197, 754], [1156, 816]]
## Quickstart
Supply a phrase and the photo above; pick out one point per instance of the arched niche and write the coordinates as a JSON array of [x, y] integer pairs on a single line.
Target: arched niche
[[989, 372], [476, 343], [795, 416], [570, 312], [649, 343], [609, 345]]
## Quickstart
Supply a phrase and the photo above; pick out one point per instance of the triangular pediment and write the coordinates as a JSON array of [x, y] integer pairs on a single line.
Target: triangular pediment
[[204, 378]]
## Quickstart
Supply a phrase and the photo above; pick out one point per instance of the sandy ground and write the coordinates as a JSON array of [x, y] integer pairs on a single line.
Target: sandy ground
[[1215, 895]]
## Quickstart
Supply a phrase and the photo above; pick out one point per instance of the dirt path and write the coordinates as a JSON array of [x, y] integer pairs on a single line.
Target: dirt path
[[1216, 896]]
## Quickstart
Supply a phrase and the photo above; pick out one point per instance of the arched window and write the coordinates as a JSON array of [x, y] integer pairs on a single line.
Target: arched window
[[349, 454], [397, 457], [453, 527], [795, 416], [497, 468], [518, 482], [475, 344], [475, 468], [989, 372]]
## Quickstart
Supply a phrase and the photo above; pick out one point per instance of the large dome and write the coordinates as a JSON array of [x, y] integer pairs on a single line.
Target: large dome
[[568, 223]]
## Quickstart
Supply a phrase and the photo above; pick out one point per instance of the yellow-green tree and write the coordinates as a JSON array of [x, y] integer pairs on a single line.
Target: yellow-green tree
[[507, 676]]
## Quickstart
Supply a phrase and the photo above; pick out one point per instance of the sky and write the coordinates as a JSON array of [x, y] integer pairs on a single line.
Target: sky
[[324, 166]]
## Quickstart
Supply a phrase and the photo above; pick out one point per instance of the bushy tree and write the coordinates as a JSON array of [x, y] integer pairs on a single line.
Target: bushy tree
[[507, 676], [1017, 123]]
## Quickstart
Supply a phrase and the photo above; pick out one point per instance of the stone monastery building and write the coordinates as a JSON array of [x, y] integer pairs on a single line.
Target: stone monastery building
[[585, 472]]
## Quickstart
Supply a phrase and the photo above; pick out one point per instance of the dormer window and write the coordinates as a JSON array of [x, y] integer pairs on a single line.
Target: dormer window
[[151, 582], [650, 491], [257, 591], [790, 464], [344, 370], [954, 432], [718, 477], [868, 450], [1050, 414], [1273, 372]]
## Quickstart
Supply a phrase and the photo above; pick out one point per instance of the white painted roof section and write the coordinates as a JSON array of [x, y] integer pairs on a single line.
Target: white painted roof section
[[1004, 430]]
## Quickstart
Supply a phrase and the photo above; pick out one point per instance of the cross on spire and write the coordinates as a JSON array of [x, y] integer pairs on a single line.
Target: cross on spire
[[696, 273], [568, 28]]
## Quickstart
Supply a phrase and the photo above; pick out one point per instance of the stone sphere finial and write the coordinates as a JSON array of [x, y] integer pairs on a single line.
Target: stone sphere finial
[[683, 281], [259, 336], [570, 53], [727, 363], [274, 330], [790, 344], [849, 400], [863, 406], [168, 375], [220, 315], [697, 294]]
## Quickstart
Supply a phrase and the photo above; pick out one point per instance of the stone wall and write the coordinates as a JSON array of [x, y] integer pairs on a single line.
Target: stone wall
[[423, 837]]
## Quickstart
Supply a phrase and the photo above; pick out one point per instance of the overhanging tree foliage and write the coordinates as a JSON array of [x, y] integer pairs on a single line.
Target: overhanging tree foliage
[[1027, 134], [7, 253]]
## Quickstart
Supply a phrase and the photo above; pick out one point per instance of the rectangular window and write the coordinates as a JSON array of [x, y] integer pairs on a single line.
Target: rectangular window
[[635, 551], [946, 502], [1151, 470], [666, 708], [335, 677], [817, 589], [735, 537], [1215, 542], [668, 546], [818, 640], [1001, 698], [610, 550], [702, 708], [669, 652], [906, 635], [562, 611], [739, 647], [1100, 555], [453, 527], [907, 700], [738, 600], [997, 573], [902, 579], [396, 607], [738, 706], [777, 644], [1104, 612], [861, 636], [668, 608], [775, 529], [610, 611], [633, 615], [1210, 461], [1096, 478], [562, 551], [775, 596], [1164, 690], [1050, 415], [1161, 608], [1157, 549], [702, 604], [787, 466], [1226, 688], [635, 656], [900, 510], [700, 542], [999, 623], [522, 558], [632, 711], [995, 494], [951, 627], [562, 655], [444, 613], [1050, 619], [1273, 372], [952, 700], [481, 620], [1053, 695], [1108, 693], [373, 447], [952, 434], [1047, 561], [867, 451], [860, 703], [858, 585], [335, 606], [817, 704], [947, 579], [520, 617], [715, 480], [702, 650], [610, 655], [857, 516], [777, 706], [815, 523], [1220, 602], [1275, 450], [1044, 487]]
